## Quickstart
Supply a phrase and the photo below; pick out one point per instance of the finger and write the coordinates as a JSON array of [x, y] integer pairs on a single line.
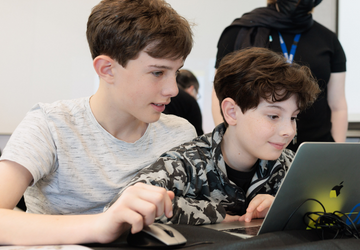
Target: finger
[[164, 201], [230, 218], [149, 193], [171, 194], [258, 201], [265, 204], [168, 204], [145, 209], [248, 216], [242, 218], [155, 189], [155, 195], [259, 207], [254, 203], [129, 217], [252, 208]]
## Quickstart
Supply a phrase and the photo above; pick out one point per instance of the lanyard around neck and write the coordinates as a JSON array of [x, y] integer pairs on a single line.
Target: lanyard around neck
[[290, 57]]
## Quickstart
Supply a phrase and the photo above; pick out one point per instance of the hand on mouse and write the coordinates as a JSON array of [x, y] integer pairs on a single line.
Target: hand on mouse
[[258, 207], [138, 206]]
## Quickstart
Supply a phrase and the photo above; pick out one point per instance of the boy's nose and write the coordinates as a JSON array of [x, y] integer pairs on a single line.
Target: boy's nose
[[171, 88], [288, 129]]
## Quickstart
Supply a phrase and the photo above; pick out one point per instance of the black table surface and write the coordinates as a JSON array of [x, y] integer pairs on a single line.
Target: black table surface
[[205, 238]]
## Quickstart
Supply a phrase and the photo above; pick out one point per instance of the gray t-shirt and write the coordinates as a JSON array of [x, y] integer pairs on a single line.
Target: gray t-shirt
[[77, 166]]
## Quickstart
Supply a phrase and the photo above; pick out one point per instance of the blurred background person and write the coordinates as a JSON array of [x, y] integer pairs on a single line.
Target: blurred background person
[[185, 103], [287, 26], [188, 82]]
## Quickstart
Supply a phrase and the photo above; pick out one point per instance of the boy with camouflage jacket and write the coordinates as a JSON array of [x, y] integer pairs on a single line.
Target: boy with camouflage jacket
[[234, 172]]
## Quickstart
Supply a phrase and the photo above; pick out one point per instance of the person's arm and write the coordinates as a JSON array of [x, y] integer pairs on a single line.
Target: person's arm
[[338, 106], [189, 205], [196, 211], [215, 109], [138, 206]]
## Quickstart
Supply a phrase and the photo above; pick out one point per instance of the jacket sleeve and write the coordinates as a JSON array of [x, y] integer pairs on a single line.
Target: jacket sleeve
[[193, 203]]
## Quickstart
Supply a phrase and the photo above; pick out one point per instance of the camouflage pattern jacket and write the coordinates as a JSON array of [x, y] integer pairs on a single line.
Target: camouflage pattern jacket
[[196, 173]]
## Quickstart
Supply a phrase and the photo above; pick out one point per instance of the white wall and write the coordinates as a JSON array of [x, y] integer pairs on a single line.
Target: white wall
[[45, 56], [349, 36]]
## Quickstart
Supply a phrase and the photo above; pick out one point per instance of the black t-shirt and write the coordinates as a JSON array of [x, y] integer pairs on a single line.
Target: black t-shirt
[[241, 179], [185, 106], [321, 51]]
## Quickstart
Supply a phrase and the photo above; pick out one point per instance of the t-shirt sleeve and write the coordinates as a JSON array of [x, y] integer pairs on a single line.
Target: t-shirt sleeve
[[178, 129], [31, 145], [338, 62]]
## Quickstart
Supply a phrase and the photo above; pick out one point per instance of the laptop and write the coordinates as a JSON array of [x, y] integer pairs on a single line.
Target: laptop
[[326, 171]]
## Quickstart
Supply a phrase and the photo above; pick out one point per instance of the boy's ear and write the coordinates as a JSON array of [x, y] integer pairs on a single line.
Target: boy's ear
[[103, 66], [228, 107], [191, 88]]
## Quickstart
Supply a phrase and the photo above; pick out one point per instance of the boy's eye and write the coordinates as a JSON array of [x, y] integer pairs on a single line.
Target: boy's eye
[[177, 72], [273, 117], [157, 73], [294, 119]]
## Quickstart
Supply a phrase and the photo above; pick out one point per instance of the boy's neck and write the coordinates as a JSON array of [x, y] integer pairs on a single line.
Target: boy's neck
[[235, 156], [118, 123]]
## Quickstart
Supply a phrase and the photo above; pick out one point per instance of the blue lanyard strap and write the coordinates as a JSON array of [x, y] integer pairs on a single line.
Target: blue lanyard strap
[[290, 57]]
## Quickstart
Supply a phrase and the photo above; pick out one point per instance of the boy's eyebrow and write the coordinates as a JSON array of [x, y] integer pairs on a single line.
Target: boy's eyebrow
[[278, 107], [275, 106], [164, 67]]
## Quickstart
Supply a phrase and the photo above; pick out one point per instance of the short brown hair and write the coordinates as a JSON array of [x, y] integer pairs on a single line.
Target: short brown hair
[[253, 73], [121, 29]]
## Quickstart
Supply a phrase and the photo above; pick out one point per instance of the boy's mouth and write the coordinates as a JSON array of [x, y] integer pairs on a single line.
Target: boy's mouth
[[278, 146], [159, 107]]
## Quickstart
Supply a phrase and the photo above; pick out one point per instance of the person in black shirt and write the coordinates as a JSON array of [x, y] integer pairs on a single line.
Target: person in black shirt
[[185, 104], [316, 47]]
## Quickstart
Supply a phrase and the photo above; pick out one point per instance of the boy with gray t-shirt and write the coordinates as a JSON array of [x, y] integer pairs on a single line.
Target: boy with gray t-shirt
[[72, 157]]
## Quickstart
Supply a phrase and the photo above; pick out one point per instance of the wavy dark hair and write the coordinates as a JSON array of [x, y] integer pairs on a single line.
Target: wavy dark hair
[[121, 29], [250, 74]]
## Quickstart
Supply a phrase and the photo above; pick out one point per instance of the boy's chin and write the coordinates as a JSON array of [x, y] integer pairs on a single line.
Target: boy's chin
[[274, 157], [151, 119]]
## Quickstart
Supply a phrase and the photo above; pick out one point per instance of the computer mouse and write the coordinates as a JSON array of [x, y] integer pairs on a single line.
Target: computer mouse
[[157, 235]]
